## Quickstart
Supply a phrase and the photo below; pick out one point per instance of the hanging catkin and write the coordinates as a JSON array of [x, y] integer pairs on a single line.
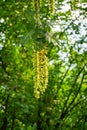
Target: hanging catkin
[[40, 61], [51, 7], [74, 4], [41, 72], [37, 4]]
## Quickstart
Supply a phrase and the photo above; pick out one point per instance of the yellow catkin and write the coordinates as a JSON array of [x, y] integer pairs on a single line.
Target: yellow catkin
[[40, 59], [51, 7], [37, 4], [41, 72], [74, 4]]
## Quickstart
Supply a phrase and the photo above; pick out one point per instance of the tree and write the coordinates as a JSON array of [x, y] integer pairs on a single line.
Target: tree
[[42, 42]]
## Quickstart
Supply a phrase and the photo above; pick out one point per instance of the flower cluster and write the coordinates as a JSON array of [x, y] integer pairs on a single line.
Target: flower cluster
[[41, 72]]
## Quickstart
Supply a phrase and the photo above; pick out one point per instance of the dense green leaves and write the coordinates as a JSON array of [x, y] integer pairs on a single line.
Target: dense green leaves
[[63, 105]]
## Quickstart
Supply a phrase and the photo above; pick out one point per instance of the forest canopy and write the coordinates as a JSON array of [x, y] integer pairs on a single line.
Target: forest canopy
[[43, 65]]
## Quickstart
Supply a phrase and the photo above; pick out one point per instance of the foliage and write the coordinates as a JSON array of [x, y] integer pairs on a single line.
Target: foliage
[[26, 27]]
